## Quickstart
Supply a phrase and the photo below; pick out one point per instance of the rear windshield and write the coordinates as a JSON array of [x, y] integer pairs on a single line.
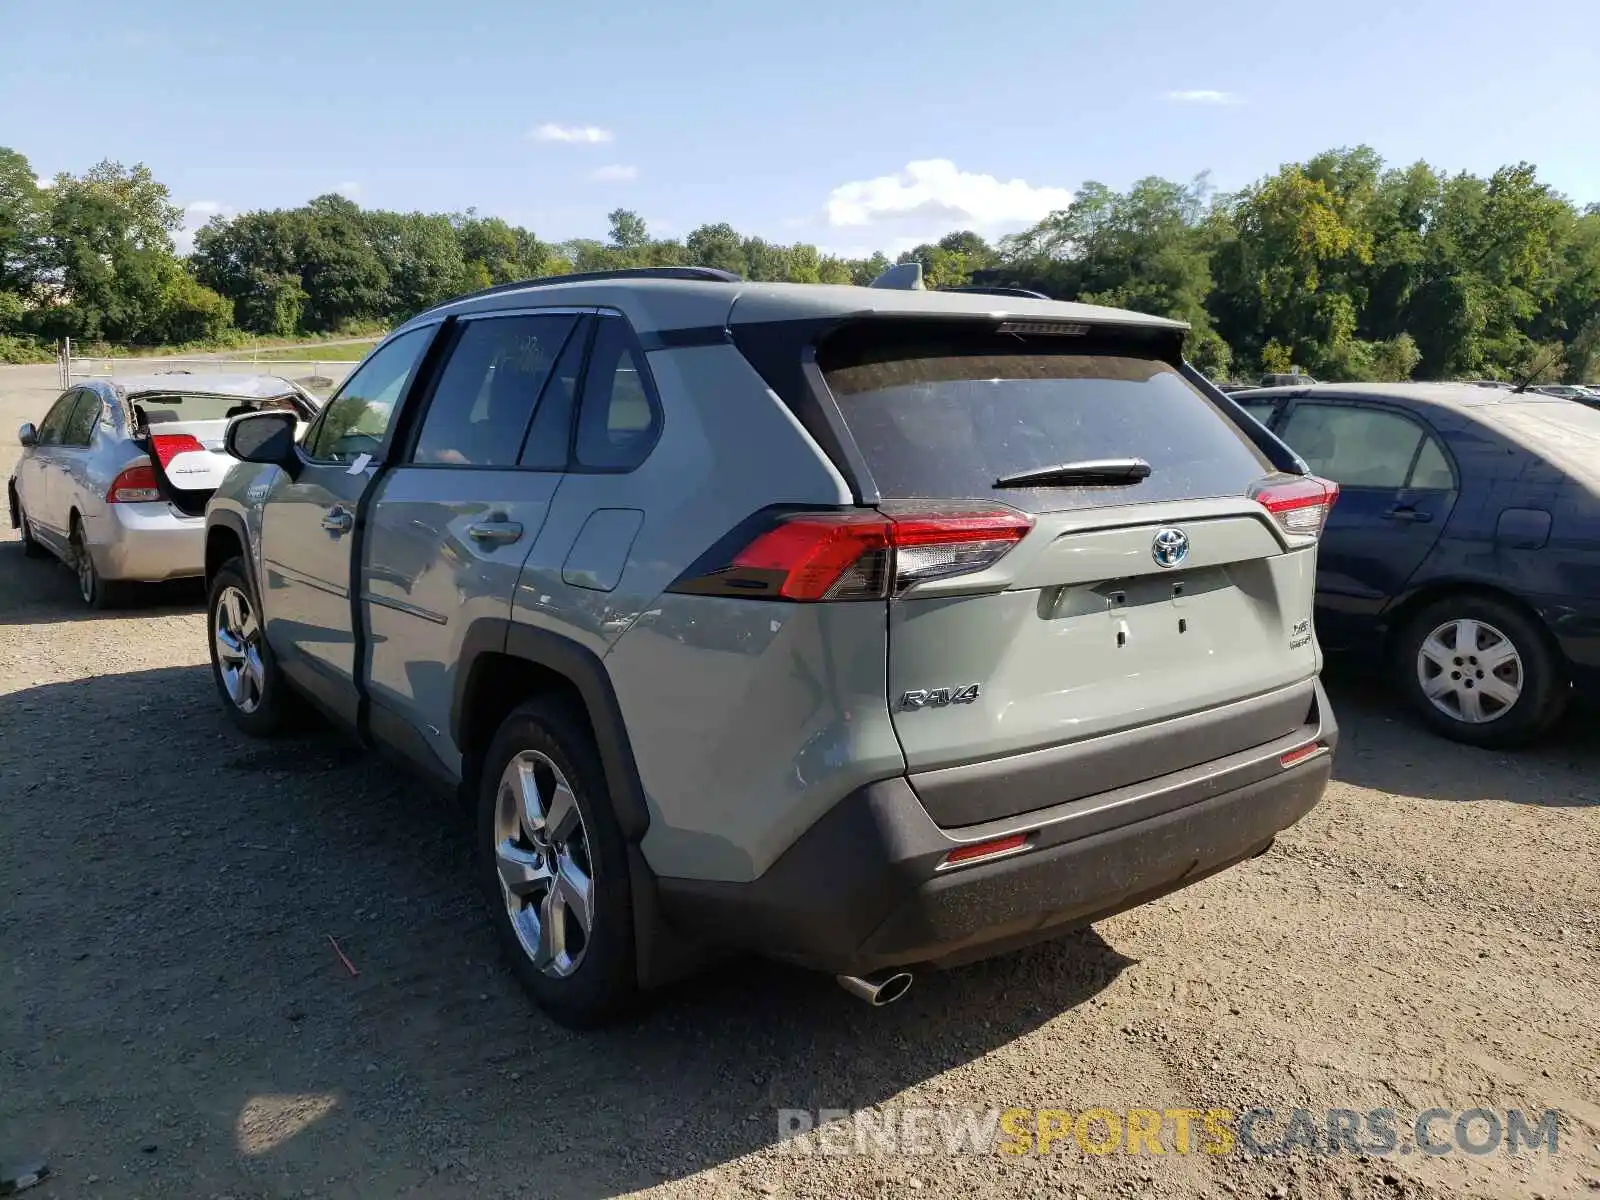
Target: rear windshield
[[190, 406], [936, 425]]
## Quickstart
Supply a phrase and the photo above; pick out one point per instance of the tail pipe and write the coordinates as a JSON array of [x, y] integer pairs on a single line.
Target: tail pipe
[[877, 990]]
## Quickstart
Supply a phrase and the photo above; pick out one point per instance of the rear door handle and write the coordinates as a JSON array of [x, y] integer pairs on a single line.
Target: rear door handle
[[338, 520], [495, 532], [1402, 512]]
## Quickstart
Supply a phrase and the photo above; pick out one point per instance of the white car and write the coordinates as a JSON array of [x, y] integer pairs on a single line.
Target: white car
[[114, 481]]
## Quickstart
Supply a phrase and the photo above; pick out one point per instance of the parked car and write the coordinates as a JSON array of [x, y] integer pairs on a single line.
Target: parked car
[[114, 480], [865, 628], [1565, 391], [1464, 552]]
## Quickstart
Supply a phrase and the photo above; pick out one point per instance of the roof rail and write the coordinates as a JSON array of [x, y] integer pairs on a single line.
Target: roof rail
[[1020, 293], [703, 274]]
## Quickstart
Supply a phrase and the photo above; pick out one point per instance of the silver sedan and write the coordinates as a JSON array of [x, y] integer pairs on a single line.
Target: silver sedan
[[114, 481]]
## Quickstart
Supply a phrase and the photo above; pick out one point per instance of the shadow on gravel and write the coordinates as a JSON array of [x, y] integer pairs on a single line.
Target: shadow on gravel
[[1382, 746], [198, 1004], [42, 591]]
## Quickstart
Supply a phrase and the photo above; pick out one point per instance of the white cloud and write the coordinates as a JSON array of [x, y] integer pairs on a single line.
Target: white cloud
[[1205, 96], [349, 189], [44, 181], [582, 134], [935, 190], [615, 173], [195, 214]]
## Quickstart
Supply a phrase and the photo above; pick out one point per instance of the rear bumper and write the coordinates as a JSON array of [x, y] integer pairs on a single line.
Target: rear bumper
[[863, 889], [147, 543], [1575, 624]]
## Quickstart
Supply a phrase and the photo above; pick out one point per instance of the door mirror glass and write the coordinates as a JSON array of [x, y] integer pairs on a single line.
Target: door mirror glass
[[262, 438], [27, 435]]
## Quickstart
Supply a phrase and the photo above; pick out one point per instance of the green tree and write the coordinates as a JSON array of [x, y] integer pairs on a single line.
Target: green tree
[[717, 246], [21, 213], [344, 278], [628, 231], [421, 256]]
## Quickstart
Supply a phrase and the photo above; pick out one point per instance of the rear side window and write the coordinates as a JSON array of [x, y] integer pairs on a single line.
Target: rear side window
[[618, 418], [936, 425], [1357, 446], [488, 389]]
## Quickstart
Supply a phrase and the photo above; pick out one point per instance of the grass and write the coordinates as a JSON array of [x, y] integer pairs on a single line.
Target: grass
[[349, 352]]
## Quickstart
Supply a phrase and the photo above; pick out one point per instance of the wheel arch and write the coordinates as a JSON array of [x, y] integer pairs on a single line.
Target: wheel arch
[[225, 539], [503, 664], [1400, 616]]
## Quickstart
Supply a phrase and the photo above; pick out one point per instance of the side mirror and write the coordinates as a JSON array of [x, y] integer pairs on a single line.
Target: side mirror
[[266, 437], [28, 435]]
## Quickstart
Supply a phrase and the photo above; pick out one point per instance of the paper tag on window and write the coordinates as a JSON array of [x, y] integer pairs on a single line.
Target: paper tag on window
[[359, 465]]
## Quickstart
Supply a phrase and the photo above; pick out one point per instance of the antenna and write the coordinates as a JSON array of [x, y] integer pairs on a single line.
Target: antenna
[[907, 277], [1538, 370]]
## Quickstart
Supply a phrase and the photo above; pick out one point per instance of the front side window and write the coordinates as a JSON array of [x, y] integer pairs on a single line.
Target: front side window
[[618, 418], [1353, 445], [357, 418], [489, 388], [55, 421], [85, 415]]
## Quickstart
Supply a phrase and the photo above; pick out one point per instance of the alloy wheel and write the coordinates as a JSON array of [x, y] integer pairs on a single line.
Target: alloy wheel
[[1470, 671], [541, 850], [237, 634]]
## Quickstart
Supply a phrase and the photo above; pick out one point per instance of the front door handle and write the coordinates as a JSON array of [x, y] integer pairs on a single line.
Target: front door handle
[[497, 531], [338, 520], [1403, 512]]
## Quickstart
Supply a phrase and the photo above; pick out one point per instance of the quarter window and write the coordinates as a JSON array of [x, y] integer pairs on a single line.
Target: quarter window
[[619, 417], [487, 392], [1432, 472], [1356, 446], [355, 421]]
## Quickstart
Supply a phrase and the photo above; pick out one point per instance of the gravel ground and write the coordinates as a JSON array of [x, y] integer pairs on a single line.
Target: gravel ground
[[175, 1019]]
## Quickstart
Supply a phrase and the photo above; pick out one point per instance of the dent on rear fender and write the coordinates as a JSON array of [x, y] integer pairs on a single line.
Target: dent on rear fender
[[748, 721]]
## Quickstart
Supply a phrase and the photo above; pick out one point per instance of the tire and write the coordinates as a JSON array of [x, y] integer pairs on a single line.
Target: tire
[[97, 592], [32, 547], [1504, 687], [249, 681], [580, 981]]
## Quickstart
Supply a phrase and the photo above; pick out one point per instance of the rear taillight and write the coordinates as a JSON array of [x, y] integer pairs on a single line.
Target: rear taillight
[[1300, 504], [857, 555], [168, 446], [136, 485]]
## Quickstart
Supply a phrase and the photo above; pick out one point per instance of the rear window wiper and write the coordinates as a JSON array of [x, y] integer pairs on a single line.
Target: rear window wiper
[[1088, 472]]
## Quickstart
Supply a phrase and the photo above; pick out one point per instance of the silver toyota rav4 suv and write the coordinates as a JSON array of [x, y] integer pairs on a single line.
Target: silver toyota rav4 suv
[[869, 629]]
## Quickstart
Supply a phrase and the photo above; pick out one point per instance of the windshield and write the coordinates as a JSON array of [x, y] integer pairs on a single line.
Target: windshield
[[937, 425]]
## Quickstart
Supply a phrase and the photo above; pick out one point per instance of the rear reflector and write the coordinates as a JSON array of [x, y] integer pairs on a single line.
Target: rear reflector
[[857, 555], [1300, 504], [136, 485], [168, 446], [982, 850], [1299, 754]]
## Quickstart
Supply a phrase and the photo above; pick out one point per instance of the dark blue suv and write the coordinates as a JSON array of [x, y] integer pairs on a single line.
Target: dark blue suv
[[1464, 550]]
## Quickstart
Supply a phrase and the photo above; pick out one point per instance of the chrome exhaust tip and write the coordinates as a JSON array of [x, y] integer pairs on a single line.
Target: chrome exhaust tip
[[877, 990]]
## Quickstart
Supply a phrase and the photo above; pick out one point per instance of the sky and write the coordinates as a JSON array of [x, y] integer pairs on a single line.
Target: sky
[[852, 124]]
